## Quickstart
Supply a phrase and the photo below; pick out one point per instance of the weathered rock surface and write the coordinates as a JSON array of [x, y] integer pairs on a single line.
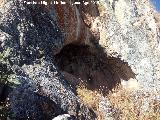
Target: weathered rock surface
[[130, 32], [123, 39], [31, 35]]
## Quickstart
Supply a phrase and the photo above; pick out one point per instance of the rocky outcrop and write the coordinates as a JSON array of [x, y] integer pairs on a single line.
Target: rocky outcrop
[[30, 36], [53, 48], [129, 31]]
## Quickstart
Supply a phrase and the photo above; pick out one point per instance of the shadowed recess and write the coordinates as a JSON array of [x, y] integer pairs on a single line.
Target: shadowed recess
[[92, 68]]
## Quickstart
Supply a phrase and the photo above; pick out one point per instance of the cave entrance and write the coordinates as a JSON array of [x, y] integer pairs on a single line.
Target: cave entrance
[[83, 65]]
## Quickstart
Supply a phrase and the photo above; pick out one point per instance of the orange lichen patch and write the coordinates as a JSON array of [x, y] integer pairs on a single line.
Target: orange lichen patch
[[60, 14], [71, 23], [88, 15], [74, 21], [67, 20]]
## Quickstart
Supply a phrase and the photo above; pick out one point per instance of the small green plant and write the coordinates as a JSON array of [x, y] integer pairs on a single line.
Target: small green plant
[[7, 80], [6, 74]]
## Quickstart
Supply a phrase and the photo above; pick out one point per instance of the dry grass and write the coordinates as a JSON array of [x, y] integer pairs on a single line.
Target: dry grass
[[130, 107], [126, 106], [91, 99], [88, 97]]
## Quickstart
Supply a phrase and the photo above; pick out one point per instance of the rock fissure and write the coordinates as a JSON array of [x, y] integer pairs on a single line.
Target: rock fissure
[[95, 70]]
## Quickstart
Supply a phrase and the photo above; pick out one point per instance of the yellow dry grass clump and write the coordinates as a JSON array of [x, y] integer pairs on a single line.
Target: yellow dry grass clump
[[91, 99], [132, 108], [125, 104]]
